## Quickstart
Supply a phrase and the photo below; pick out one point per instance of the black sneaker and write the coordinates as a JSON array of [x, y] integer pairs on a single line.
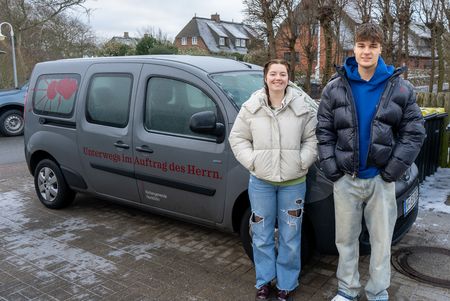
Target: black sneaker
[[262, 294], [283, 295]]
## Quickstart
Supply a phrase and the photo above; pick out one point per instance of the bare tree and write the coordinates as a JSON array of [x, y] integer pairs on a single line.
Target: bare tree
[[263, 16], [29, 18], [325, 15], [157, 33], [309, 31], [365, 9], [429, 15], [387, 22], [290, 29], [446, 37], [440, 30], [404, 12], [339, 35], [61, 37]]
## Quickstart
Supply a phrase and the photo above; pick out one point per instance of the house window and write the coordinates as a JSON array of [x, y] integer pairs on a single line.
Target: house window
[[242, 43], [287, 57], [238, 43], [194, 40], [183, 41], [221, 41]]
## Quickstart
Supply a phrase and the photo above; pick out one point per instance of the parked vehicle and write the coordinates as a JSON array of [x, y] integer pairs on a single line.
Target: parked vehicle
[[11, 111], [151, 132]]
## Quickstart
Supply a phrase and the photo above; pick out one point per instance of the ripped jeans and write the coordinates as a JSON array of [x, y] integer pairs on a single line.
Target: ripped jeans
[[269, 203]]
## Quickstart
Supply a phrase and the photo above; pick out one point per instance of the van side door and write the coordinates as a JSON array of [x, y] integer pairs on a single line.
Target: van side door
[[105, 134], [178, 171]]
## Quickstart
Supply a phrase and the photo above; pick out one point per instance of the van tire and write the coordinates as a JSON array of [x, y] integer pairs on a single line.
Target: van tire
[[244, 233], [307, 237], [11, 123], [51, 187]]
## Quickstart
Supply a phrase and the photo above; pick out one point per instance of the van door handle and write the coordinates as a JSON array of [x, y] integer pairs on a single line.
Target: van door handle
[[120, 144], [144, 149]]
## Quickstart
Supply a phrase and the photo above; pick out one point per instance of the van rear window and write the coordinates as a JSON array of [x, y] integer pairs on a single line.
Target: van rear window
[[55, 94]]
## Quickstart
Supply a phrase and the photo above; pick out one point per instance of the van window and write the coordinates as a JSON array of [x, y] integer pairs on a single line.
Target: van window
[[108, 99], [239, 86], [171, 103], [55, 94]]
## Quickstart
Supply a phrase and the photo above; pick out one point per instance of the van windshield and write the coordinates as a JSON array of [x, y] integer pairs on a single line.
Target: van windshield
[[238, 86]]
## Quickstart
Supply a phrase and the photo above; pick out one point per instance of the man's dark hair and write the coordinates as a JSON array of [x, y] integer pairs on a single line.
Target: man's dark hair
[[369, 32]]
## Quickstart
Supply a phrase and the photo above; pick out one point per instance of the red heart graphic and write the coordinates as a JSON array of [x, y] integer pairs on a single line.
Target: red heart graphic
[[67, 87], [51, 89]]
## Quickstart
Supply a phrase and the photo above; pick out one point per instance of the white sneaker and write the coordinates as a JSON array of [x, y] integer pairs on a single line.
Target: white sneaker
[[341, 298]]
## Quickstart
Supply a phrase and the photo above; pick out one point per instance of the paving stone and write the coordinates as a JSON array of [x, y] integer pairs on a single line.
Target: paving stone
[[16, 297], [30, 292], [97, 250]]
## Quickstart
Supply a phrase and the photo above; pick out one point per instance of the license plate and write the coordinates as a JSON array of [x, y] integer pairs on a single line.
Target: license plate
[[411, 201]]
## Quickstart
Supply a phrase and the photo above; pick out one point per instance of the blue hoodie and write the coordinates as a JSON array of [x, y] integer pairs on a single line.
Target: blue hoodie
[[367, 95]]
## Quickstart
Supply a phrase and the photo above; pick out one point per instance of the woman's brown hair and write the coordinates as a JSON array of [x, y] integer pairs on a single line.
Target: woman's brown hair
[[266, 70]]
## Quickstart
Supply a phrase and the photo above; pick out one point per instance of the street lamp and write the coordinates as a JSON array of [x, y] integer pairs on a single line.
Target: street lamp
[[2, 37]]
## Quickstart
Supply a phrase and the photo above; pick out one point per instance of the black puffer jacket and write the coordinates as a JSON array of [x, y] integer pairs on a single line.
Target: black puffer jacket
[[396, 136]]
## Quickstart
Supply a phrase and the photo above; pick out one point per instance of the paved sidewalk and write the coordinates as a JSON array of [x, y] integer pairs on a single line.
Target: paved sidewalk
[[96, 250]]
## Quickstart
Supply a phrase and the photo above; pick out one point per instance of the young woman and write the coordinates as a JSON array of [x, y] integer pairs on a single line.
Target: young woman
[[274, 138]]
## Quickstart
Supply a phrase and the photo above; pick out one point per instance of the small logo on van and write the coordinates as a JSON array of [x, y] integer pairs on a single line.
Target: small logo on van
[[154, 196]]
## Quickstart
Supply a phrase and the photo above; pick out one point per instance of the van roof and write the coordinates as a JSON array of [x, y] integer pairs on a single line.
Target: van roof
[[208, 64]]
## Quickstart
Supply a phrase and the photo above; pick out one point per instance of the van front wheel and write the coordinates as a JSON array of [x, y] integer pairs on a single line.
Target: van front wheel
[[50, 185]]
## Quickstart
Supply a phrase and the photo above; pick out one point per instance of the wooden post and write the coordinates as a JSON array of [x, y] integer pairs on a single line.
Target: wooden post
[[447, 102], [440, 99], [443, 154], [426, 99], [419, 99], [433, 101]]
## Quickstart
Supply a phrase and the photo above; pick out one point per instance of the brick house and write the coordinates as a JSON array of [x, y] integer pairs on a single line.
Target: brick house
[[215, 36], [419, 42]]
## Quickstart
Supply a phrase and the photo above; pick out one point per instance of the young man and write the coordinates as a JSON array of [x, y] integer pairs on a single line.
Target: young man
[[370, 131]]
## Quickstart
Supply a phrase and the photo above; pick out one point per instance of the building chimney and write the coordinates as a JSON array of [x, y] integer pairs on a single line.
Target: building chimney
[[215, 17], [125, 35]]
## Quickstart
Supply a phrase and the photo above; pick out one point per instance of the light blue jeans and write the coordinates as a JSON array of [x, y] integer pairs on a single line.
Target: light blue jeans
[[269, 203], [374, 198]]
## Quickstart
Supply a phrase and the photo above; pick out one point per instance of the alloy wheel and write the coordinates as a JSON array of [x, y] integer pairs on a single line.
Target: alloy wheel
[[48, 184]]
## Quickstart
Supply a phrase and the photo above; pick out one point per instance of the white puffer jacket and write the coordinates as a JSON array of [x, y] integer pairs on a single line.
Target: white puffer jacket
[[277, 146]]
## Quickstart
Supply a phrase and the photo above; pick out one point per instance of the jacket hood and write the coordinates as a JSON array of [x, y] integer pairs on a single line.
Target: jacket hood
[[259, 99], [382, 72]]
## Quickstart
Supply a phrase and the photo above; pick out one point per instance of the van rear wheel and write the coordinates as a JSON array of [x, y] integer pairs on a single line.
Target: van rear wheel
[[307, 237], [51, 187]]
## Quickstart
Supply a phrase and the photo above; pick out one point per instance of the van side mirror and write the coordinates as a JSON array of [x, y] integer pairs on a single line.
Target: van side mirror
[[205, 122]]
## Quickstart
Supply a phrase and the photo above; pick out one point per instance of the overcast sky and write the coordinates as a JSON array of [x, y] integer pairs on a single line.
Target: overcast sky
[[113, 17]]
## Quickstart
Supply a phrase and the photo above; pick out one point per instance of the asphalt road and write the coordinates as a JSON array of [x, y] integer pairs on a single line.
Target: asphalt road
[[11, 150]]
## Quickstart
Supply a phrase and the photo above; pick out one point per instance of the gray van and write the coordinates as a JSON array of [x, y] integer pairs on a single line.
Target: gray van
[[151, 132]]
